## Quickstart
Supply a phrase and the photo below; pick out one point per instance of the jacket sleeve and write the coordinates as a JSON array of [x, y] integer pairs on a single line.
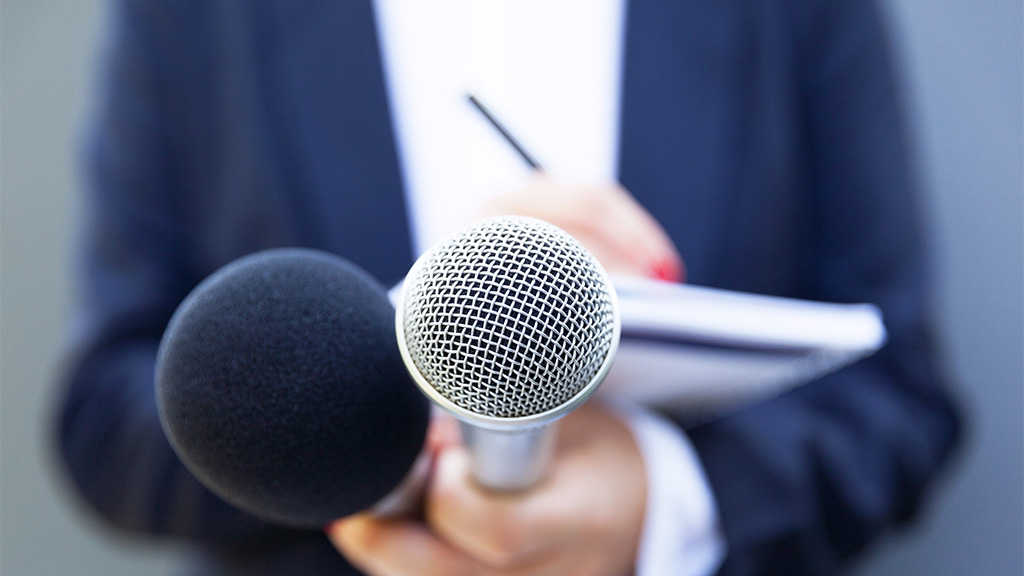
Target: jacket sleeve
[[808, 479], [133, 269]]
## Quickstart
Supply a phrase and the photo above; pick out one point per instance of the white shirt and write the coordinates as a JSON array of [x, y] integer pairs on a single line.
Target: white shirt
[[550, 70], [541, 66]]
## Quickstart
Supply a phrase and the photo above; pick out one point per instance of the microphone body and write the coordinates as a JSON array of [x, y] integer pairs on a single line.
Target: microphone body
[[280, 386], [508, 325], [510, 459]]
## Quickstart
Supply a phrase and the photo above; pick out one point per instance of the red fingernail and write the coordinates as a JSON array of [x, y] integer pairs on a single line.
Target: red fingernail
[[667, 270]]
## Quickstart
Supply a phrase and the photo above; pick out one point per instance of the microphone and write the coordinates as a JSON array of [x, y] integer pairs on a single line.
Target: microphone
[[280, 386], [508, 325]]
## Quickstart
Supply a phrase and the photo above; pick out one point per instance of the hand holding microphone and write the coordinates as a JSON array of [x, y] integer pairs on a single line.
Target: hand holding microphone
[[509, 325], [584, 518]]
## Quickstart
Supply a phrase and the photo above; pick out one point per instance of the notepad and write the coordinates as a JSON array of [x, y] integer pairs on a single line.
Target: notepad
[[701, 352]]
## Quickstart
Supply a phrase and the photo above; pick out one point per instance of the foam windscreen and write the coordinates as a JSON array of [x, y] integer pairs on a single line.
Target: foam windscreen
[[280, 386]]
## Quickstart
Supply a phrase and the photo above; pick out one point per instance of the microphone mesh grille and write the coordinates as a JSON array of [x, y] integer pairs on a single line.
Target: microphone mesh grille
[[510, 318]]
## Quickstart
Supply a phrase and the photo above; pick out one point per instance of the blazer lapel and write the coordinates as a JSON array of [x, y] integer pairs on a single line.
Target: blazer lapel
[[336, 134], [678, 127]]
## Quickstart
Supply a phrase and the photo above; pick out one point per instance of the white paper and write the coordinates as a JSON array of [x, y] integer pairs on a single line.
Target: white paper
[[702, 351]]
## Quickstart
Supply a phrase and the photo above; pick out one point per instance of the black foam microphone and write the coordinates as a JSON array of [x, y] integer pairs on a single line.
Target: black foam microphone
[[280, 386]]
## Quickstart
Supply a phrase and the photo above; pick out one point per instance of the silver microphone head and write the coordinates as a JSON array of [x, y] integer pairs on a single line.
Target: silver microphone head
[[509, 323]]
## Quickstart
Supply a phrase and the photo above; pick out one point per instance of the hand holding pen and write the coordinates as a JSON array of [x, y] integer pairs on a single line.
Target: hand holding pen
[[621, 233]]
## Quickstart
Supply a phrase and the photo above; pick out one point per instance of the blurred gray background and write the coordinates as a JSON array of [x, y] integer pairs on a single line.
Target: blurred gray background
[[963, 65]]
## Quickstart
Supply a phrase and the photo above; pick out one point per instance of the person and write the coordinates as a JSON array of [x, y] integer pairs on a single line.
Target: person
[[762, 141]]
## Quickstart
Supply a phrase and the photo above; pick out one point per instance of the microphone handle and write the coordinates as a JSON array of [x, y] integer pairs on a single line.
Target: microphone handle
[[509, 460]]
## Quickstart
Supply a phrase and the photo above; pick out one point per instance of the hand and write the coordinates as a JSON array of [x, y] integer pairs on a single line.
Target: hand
[[584, 518], [621, 233]]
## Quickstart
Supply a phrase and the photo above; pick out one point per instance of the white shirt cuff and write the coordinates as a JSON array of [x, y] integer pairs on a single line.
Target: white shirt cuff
[[681, 533]]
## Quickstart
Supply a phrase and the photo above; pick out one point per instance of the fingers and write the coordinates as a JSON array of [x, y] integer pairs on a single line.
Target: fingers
[[632, 234], [443, 432], [593, 497], [502, 530], [384, 547], [620, 232], [584, 518]]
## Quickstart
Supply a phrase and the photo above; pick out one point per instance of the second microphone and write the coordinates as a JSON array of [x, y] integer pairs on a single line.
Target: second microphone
[[508, 325]]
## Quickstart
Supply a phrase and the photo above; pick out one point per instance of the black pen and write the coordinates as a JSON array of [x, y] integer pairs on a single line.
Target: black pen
[[505, 133]]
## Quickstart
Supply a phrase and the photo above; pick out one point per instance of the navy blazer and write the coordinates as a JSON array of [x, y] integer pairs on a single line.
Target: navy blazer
[[766, 136]]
